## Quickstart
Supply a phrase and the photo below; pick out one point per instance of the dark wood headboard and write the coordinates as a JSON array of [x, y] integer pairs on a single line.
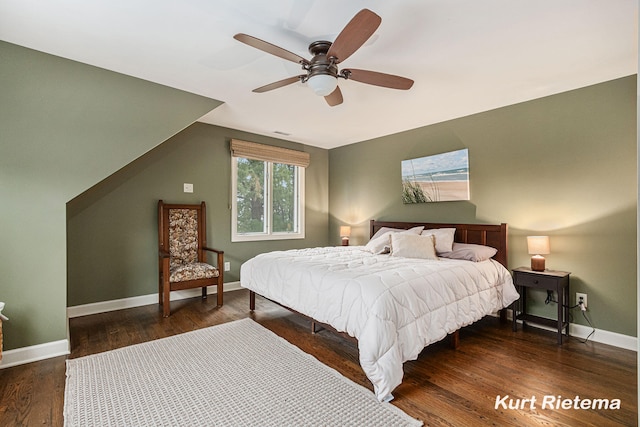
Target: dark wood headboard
[[494, 235]]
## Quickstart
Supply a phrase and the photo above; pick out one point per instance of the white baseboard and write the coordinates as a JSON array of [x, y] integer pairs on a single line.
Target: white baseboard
[[600, 335], [33, 353], [120, 304], [605, 337]]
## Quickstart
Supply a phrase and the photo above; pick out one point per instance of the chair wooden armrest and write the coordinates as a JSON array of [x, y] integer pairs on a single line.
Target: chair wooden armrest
[[163, 254], [220, 257], [218, 251]]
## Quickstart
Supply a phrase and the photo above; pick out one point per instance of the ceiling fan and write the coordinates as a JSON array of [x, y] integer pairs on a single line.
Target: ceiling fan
[[321, 72]]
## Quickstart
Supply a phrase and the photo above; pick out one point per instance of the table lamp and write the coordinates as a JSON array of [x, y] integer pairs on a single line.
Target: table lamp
[[345, 232], [538, 246]]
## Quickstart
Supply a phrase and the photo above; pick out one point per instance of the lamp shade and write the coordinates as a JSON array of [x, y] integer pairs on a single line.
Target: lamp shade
[[345, 231], [538, 245], [322, 84]]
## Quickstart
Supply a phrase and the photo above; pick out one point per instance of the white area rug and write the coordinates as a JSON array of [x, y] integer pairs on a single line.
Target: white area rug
[[234, 374]]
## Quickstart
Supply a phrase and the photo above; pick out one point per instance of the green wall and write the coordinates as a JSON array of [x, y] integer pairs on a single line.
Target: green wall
[[112, 228], [563, 165], [78, 191], [63, 127]]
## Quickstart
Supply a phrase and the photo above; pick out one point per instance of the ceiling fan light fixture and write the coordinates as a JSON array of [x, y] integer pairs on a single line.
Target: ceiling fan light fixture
[[322, 84]]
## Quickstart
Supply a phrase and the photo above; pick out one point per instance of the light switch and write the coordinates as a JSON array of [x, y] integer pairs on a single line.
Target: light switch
[[188, 188]]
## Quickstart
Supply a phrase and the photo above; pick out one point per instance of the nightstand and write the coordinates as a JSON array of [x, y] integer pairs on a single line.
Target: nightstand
[[551, 280]]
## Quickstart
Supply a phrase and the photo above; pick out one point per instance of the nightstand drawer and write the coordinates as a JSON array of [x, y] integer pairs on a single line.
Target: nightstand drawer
[[535, 280]]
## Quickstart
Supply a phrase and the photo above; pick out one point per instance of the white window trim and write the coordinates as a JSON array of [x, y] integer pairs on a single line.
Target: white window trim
[[269, 235]]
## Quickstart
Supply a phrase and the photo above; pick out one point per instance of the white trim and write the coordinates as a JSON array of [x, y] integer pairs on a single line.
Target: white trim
[[23, 355], [258, 237], [121, 304], [34, 353], [605, 337], [43, 351], [37, 352], [602, 336], [268, 233]]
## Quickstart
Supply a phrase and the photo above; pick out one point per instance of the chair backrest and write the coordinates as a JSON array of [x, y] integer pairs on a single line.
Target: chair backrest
[[182, 232]]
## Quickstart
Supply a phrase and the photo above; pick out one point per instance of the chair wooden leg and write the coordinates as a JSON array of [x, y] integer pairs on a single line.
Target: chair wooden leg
[[166, 308], [204, 292], [220, 293], [165, 287]]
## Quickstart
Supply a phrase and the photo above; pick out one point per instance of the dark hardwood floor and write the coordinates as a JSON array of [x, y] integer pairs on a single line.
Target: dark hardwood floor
[[444, 387]]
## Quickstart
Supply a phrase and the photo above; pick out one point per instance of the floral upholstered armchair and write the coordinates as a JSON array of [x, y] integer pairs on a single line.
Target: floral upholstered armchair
[[182, 252]]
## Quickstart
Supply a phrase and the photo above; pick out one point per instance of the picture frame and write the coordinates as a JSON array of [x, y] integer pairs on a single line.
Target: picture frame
[[437, 178]]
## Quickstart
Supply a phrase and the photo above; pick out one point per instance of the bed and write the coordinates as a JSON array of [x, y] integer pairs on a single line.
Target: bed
[[395, 298]]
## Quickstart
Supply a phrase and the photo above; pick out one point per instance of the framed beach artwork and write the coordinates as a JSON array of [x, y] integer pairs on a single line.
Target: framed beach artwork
[[439, 178]]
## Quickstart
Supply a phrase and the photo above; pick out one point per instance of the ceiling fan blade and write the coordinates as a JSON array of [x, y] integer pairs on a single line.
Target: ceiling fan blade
[[355, 34], [379, 79], [334, 98], [269, 48], [279, 83]]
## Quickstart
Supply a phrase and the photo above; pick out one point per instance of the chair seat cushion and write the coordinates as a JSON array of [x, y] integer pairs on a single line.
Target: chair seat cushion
[[193, 271]]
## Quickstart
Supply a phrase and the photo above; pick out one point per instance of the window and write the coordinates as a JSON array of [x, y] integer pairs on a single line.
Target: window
[[267, 193]]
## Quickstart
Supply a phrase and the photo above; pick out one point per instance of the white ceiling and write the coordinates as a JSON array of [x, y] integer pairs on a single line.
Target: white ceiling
[[466, 56]]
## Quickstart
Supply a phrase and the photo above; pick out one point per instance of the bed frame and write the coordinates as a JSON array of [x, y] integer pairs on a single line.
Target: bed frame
[[494, 235]]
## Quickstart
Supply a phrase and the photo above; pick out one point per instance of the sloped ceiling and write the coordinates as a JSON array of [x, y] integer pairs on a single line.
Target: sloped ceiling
[[465, 56]]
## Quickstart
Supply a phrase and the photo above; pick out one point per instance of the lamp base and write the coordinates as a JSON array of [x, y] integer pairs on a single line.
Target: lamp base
[[345, 241], [537, 263]]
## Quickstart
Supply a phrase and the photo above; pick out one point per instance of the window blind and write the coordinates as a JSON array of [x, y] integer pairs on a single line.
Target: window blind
[[252, 150]]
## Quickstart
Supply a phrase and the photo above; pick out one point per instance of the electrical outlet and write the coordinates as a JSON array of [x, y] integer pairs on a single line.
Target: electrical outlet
[[583, 297], [227, 266], [188, 188]]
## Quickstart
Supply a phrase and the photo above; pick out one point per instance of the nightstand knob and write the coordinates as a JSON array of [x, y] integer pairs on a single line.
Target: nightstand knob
[[535, 281]]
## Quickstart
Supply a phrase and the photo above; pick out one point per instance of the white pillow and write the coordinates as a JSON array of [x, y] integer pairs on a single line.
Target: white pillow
[[379, 244], [443, 238], [382, 230], [413, 246]]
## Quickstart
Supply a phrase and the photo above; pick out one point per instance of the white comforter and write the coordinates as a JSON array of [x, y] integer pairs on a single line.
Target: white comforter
[[394, 306]]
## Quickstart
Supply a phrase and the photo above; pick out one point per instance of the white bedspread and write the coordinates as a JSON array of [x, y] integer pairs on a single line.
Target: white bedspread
[[394, 306]]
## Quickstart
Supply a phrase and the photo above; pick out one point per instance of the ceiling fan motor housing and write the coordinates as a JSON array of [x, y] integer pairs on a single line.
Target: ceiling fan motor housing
[[320, 63]]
